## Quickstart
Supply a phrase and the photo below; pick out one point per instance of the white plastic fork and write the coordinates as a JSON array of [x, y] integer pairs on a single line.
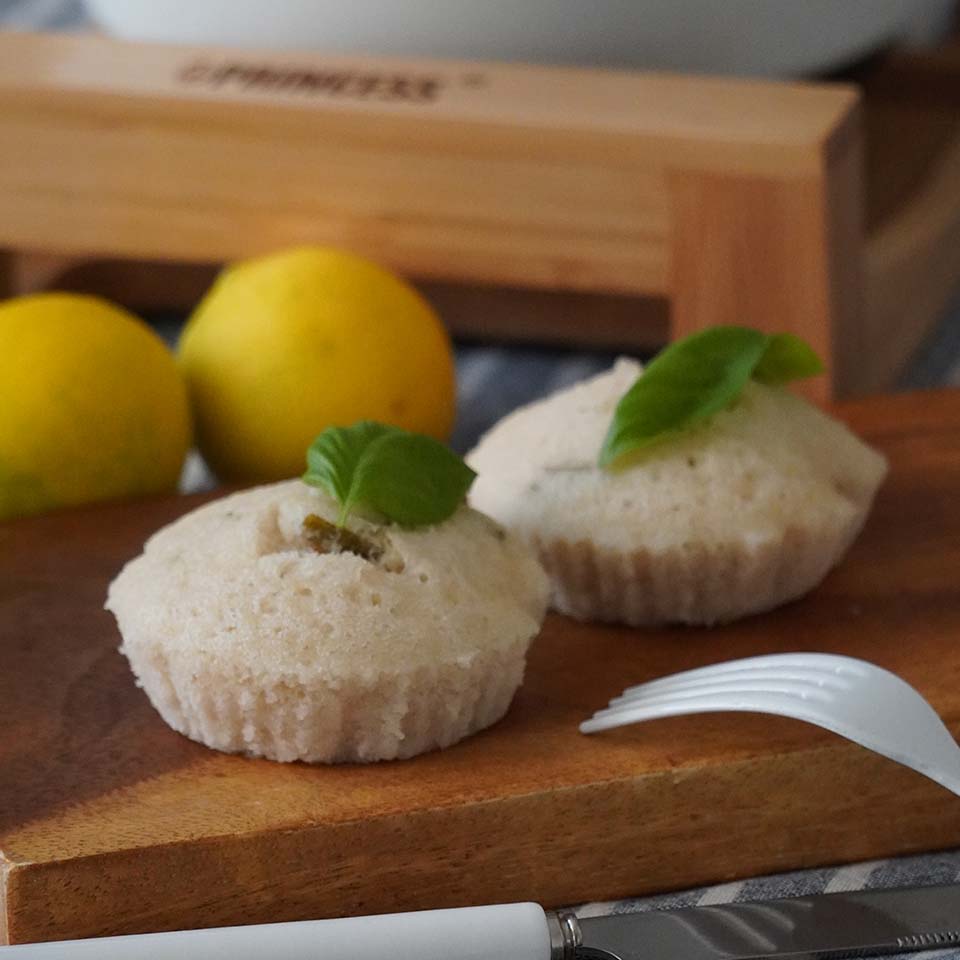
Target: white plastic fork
[[853, 698]]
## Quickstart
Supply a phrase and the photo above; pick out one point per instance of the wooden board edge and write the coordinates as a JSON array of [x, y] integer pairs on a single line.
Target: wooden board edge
[[475, 312], [448, 856], [777, 254], [907, 410], [7, 870], [758, 112], [843, 209]]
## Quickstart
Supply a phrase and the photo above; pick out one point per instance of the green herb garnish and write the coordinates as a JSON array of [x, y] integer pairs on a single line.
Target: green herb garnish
[[697, 377], [787, 358], [406, 477]]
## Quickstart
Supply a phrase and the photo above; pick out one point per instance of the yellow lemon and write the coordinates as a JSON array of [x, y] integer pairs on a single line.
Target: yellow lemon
[[286, 345], [92, 406]]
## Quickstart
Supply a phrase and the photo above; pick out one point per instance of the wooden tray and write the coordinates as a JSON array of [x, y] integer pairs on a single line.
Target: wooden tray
[[110, 822]]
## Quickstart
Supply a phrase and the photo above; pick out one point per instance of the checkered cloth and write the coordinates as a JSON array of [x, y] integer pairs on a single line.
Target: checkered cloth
[[495, 380]]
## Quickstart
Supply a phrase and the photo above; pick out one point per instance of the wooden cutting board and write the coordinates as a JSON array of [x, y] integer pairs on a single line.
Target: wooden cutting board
[[112, 823]]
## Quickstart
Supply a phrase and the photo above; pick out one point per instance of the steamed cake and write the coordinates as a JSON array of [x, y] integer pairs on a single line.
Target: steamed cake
[[736, 515], [248, 639]]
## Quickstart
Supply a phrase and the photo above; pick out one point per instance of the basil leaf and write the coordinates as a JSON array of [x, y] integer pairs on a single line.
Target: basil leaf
[[787, 358], [332, 458], [689, 381], [697, 377], [411, 479]]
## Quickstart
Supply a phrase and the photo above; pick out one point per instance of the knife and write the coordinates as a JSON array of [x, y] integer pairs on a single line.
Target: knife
[[821, 927]]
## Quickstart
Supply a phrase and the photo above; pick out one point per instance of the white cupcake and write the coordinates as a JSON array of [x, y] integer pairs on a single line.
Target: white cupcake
[[735, 515], [248, 637]]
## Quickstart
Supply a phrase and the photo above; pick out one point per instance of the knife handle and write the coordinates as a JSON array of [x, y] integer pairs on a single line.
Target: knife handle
[[517, 930]]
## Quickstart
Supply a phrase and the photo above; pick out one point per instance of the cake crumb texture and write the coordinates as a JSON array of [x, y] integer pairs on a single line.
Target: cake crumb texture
[[249, 640], [733, 516]]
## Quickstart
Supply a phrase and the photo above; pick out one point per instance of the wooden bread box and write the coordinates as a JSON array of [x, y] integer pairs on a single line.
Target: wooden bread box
[[588, 207], [594, 207]]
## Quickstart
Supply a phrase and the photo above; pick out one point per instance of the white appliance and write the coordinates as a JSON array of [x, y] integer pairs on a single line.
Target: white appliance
[[758, 37]]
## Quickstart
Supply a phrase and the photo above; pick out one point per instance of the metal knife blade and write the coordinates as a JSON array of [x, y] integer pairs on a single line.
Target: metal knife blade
[[822, 927]]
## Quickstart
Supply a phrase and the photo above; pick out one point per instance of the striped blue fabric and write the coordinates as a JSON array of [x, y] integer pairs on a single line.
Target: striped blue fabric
[[495, 380]]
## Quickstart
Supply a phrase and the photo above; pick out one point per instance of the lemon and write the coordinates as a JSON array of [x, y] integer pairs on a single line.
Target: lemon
[[92, 407], [286, 345]]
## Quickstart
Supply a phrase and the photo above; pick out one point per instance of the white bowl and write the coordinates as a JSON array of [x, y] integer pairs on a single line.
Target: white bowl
[[761, 37]]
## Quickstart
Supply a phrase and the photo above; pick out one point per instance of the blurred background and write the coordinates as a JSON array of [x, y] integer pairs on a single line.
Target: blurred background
[[741, 37], [902, 54]]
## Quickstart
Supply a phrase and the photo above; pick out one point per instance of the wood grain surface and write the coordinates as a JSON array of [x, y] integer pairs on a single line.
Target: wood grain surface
[[110, 822]]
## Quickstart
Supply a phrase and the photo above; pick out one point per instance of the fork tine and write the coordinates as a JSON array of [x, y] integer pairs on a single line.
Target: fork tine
[[829, 663], [711, 670], [678, 684], [731, 688], [704, 703], [908, 730]]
